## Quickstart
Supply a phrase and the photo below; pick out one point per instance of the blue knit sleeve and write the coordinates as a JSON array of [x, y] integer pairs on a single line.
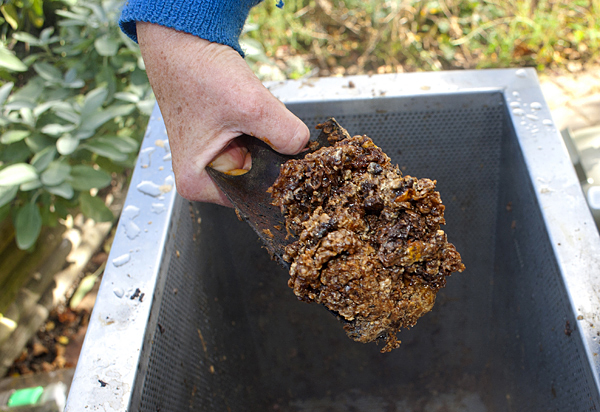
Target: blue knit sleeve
[[219, 21]]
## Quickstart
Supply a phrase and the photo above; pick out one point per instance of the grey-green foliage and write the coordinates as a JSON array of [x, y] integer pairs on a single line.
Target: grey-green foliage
[[77, 118]]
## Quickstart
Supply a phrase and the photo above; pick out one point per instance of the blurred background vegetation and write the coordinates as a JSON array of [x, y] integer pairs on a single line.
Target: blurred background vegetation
[[74, 104], [74, 97], [339, 37]]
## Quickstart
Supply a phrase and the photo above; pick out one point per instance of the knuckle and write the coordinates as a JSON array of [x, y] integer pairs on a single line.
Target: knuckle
[[184, 189]]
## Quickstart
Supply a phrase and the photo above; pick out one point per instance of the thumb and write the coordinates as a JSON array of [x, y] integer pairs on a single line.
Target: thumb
[[269, 120]]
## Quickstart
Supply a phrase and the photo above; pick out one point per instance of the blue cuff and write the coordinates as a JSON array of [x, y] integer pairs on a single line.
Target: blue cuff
[[219, 21]]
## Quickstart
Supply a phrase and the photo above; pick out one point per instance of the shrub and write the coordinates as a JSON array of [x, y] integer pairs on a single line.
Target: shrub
[[72, 113], [26, 15]]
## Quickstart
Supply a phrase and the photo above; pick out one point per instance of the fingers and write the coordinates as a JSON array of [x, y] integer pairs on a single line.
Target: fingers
[[234, 159], [266, 118], [255, 111], [208, 96], [199, 187]]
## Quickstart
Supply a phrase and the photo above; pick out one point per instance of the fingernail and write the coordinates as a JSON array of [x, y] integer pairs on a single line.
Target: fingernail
[[301, 136]]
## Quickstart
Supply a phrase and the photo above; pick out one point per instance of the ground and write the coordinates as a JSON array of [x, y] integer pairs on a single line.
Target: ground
[[58, 343]]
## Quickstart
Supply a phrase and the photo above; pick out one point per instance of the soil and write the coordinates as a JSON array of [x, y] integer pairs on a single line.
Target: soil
[[57, 344]]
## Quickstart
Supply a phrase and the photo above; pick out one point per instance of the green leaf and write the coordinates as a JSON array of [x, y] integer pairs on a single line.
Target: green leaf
[[13, 136], [37, 142], [75, 84], [28, 225], [63, 94], [70, 75], [72, 16], [48, 72], [27, 117], [7, 194], [94, 208], [106, 77], [30, 59], [55, 173], [54, 102], [17, 174], [10, 15], [84, 134], [146, 106], [11, 62], [43, 158], [44, 107], [26, 38], [70, 23], [5, 91], [62, 207], [37, 20], [18, 105], [31, 92], [38, 7], [109, 166], [85, 177], [93, 101], [56, 129], [127, 97], [99, 12], [99, 118], [96, 120], [63, 190], [123, 143], [106, 45], [130, 44], [46, 33], [34, 184], [67, 144], [68, 115], [15, 153], [105, 149]]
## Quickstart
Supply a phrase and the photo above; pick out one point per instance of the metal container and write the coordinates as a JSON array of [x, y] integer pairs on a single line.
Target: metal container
[[193, 315]]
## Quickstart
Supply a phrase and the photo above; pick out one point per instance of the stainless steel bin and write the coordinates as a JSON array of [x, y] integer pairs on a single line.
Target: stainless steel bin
[[193, 315]]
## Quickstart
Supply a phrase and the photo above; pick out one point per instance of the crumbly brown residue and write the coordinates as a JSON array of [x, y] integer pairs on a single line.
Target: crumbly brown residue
[[369, 245]]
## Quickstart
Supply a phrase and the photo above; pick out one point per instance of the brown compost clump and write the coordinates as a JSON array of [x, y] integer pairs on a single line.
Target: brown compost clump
[[368, 243]]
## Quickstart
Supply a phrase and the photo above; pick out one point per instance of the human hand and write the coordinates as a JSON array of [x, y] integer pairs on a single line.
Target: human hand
[[208, 96]]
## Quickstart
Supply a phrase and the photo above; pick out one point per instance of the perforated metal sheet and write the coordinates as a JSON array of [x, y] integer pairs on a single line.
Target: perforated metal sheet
[[547, 370], [223, 332], [296, 357], [197, 351]]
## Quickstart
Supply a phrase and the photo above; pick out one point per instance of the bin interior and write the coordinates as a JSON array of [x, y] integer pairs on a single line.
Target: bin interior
[[227, 334]]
